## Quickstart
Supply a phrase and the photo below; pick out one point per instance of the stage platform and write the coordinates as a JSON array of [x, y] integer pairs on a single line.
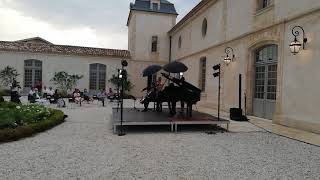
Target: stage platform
[[135, 117]]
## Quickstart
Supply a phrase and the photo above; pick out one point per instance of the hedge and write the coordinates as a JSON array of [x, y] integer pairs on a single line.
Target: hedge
[[7, 135]]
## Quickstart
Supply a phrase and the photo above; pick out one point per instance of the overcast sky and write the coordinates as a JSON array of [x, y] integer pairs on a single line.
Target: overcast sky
[[93, 23]]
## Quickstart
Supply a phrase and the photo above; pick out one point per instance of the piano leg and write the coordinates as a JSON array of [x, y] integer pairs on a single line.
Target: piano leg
[[146, 104], [182, 107], [189, 110], [172, 108]]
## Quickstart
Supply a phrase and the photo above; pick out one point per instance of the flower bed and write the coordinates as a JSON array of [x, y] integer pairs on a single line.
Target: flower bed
[[19, 121]]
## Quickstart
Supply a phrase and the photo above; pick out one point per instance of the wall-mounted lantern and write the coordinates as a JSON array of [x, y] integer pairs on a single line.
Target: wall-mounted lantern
[[295, 45], [229, 57]]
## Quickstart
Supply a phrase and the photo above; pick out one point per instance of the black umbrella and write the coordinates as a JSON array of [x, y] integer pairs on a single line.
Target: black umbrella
[[150, 70], [175, 67]]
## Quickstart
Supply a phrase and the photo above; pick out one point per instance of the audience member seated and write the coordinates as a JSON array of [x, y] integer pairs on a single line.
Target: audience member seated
[[34, 96], [44, 92], [111, 95], [31, 98], [77, 96], [58, 100], [15, 96], [87, 96], [50, 95], [51, 92], [101, 96]]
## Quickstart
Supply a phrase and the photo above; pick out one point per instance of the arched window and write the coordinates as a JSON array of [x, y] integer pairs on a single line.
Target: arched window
[[32, 73], [97, 77], [180, 42], [204, 27]]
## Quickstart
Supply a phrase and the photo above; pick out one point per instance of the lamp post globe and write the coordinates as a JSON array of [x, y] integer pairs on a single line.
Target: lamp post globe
[[295, 46], [227, 60]]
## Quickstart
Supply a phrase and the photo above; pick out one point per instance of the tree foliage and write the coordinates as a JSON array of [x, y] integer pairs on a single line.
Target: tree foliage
[[65, 81], [127, 85], [8, 76]]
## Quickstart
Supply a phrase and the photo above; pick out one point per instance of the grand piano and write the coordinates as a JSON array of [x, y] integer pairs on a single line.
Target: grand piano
[[179, 90]]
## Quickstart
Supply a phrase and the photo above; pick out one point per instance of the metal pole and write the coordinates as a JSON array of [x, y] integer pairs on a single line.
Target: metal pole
[[240, 91], [219, 95], [245, 104], [121, 107], [118, 88]]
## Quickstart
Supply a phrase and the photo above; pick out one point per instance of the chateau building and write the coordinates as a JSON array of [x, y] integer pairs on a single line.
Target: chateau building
[[273, 44]]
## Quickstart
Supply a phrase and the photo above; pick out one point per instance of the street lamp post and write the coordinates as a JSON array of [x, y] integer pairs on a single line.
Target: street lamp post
[[118, 89], [122, 77], [217, 73]]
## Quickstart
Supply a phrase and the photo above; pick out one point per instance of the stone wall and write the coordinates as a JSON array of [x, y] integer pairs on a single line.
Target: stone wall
[[242, 27], [56, 63]]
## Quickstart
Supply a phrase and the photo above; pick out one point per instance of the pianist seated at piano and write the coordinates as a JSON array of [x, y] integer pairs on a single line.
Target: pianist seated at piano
[[152, 94], [178, 90]]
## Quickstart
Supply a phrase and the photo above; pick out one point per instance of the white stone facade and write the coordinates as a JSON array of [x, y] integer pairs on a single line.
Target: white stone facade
[[238, 25], [52, 63], [243, 25]]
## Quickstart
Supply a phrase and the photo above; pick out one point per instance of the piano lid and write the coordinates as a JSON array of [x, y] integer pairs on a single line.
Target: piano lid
[[181, 83]]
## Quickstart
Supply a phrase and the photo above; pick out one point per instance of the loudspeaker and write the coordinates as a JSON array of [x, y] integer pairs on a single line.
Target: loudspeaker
[[236, 114]]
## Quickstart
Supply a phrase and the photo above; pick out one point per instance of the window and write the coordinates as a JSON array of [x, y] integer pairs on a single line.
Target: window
[[32, 73], [204, 27], [203, 71], [266, 72], [97, 77], [180, 42], [155, 6], [154, 45], [267, 54], [263, 4]]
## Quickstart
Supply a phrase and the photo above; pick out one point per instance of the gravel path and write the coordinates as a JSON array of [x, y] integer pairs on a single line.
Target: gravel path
[[85, 148]]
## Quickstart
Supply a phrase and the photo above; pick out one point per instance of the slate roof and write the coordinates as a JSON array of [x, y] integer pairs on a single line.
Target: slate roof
[[144, 5], [28, 45]]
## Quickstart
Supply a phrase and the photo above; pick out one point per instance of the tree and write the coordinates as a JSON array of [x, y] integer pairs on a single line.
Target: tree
[[8, 76], [127, 85], [65, 81]]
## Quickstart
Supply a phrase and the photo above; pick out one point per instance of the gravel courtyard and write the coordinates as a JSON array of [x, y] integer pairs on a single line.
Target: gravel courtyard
[[84, 148]]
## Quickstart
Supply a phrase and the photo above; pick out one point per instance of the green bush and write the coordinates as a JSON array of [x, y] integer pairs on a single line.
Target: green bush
[[1, 99], [5, 92], [19, 121], [10, 134]]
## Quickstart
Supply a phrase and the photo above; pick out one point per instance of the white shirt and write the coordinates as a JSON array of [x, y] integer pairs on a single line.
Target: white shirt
[[51, 92], [45, 91], [31, 92]]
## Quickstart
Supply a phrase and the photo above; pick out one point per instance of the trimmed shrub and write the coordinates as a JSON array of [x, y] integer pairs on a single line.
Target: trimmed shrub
[[13, 131], [1, 99], [5, 92]]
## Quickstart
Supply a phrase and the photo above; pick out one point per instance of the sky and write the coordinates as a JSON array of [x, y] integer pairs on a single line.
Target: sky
[[91, 23]]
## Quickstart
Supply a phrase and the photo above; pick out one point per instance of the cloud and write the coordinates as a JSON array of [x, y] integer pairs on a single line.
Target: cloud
[[99, 23]]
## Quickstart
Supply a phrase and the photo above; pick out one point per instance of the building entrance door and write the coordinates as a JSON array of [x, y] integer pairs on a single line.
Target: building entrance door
[[265, 87]]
